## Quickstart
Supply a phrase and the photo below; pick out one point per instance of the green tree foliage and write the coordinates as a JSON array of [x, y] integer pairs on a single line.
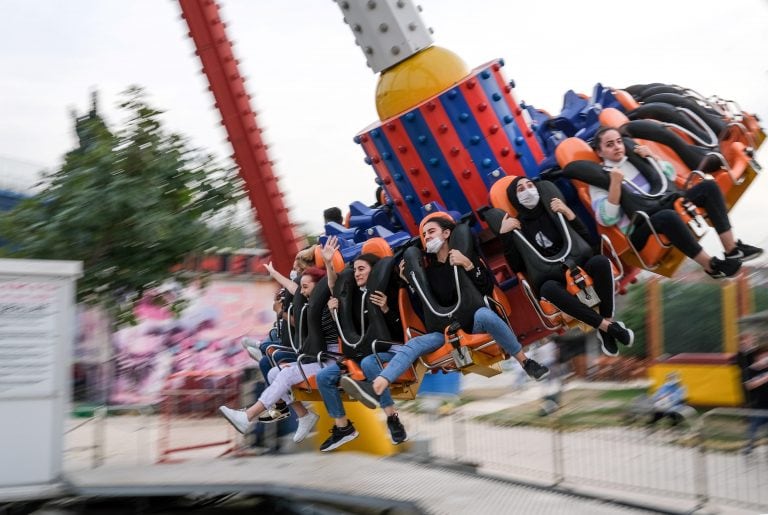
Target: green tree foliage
[[129, 204]]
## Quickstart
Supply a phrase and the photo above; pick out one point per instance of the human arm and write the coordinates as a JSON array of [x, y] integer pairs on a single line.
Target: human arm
[[282, 280], [507, 236], [558, 206], [329, 249], [474, 269], [665, 166], [380, 299], [606, 213]]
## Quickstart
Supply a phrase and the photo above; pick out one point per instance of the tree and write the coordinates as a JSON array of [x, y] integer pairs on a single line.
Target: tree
[[129, 204]]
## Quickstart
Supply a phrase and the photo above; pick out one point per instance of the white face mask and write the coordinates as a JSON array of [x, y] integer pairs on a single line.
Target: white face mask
[[434, 245], [529, 197], [293, 275]]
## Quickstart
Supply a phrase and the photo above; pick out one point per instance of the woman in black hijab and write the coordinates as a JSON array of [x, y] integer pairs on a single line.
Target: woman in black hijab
[[541, 230]]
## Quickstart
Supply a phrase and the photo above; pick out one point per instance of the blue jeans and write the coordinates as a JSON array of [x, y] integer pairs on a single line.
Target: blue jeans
[[405, 355], [371, 369], [328, 384], [487, 321]]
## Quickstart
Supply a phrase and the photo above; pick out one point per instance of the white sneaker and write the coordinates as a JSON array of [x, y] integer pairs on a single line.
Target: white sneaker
[[306, 424], [237, 418], [252, 348]]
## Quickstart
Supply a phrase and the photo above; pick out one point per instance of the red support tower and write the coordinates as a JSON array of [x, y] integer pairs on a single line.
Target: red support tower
[[220, 66]]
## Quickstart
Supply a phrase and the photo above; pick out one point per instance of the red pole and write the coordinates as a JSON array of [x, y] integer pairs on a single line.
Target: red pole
[[220, 66]]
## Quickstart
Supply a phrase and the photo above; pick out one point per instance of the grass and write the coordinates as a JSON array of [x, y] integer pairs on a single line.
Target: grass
[[584, 409]]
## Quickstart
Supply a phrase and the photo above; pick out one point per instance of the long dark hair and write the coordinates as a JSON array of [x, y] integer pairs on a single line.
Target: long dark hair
[[597, 138]]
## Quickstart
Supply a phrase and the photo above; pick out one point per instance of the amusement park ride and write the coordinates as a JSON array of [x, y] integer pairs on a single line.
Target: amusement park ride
[[447, 134]]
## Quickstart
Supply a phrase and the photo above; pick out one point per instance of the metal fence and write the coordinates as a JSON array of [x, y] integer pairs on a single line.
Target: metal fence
[[705, 461]]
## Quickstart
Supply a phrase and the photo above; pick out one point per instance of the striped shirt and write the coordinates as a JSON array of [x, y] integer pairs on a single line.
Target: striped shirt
[[330, 331]]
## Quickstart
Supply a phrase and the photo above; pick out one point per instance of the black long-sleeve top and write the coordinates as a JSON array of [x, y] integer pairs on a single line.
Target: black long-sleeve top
[[515, 260]]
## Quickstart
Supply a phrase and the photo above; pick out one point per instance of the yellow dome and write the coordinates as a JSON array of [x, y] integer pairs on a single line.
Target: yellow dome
[[414, 80]]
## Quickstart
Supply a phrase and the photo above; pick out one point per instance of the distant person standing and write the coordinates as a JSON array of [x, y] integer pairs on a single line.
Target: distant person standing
[[669, 401], [333, 214], [756, 385]]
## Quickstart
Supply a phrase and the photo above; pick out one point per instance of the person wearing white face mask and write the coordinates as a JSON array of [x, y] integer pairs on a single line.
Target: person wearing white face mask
[[535, 224], [303, 260], [440, 261]]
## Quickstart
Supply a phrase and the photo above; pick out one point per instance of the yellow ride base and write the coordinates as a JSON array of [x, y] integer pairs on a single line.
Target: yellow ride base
[[707, 385], [374, 435]]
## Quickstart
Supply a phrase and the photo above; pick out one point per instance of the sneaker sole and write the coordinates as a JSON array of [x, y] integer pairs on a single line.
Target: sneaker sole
[[602, 345], [341, 442], [232, 422], [273, 420], [397, 443], [353, 390], [750, 257], [543, 376]]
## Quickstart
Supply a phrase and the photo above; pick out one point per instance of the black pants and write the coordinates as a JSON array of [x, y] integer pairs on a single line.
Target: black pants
[[599, 268], [706, 195]]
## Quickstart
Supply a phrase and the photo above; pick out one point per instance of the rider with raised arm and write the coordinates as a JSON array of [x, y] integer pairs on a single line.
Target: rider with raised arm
[[440, 262], [363, 301]]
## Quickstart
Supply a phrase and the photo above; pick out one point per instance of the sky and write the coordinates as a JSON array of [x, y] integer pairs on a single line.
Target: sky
[[313, 92]]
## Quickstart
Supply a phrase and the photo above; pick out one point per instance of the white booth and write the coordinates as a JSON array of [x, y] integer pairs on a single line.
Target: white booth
[[37, 330]]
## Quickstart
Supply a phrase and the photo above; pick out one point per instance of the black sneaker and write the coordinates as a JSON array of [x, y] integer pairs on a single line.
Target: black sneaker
[[723, 267], [276, 414], [744, 252], [607, 343], [396, 429], [339, 436], [620, 332], [534, 370], [360, 390]]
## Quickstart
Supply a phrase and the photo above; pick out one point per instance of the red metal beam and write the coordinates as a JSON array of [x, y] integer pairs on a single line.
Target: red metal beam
[[220, 66]]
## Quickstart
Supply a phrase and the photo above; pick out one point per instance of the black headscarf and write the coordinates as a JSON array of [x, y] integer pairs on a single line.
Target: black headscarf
[[535, 221]]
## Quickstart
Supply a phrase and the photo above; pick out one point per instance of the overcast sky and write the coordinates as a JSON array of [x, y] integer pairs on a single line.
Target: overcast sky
[[313, 91]]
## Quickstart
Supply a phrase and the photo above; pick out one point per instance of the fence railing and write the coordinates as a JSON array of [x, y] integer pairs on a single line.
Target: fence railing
[[704, 461]]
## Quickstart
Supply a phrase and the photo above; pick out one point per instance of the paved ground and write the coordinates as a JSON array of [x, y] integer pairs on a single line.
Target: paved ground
[[432, 490], [608, 463]]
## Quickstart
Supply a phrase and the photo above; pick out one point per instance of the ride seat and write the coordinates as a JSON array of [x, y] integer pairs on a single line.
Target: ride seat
[[657, 248], [549, 314]]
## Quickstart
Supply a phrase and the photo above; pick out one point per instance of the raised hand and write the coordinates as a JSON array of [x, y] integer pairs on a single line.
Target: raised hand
[[330, 248]]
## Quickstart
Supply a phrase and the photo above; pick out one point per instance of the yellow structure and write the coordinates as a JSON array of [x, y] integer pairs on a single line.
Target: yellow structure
[[374, 435], [707, 384], [414, 80]]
